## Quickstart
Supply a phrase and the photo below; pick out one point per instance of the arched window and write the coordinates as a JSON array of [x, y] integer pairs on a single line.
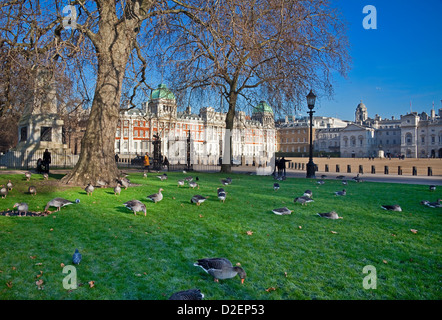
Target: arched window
[[408, 139]]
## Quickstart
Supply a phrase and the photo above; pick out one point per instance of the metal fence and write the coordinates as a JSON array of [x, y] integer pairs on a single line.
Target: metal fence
[[27, 160]]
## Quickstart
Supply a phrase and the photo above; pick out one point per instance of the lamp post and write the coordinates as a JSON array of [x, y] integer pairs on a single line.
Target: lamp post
[[311, 98]]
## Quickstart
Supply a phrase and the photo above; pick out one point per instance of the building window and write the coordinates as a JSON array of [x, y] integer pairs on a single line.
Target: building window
[[23, 133], [46, 134]]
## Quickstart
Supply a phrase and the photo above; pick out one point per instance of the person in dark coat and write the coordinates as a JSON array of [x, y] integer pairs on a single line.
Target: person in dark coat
[[281, 166], [46, 160]]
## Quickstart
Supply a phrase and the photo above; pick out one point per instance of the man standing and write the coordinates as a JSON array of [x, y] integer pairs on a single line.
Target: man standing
[[146, 162], [46, 160]]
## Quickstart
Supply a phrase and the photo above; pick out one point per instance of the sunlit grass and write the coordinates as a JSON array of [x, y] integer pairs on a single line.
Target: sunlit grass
[[138, 257]]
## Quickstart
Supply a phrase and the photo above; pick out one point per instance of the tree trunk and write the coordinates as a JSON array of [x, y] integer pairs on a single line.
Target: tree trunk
[[230, 120], [97, 158]]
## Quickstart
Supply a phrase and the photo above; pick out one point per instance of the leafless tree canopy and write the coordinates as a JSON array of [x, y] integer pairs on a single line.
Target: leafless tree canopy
[[272, 49]]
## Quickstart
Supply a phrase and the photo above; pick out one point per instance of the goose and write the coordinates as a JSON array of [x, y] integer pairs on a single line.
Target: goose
[[282, 211], [193, 184], [180, 183], [225, 182], [45, 176], [28, 175], [9, 185], [101, 183], [221, 194], [124, 183], [344, 182], [330, 215], [198, 199], [59, 203], [341, 193], [192, 294], [21, 207], [76, 258], [395, 207], [276, 186], [89, 189], [303, 200], [135, 206], [162, 177], [3, 191], [156, 197], [32, 190], [321, 182], [188, 179], [144, 175], [432, 188], [220, 268], [117, 189], [229, 180], [308, 193], [436, 204]]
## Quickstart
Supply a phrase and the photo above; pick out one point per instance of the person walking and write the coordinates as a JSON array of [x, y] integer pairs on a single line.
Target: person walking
[[46, 160], [146, 162]]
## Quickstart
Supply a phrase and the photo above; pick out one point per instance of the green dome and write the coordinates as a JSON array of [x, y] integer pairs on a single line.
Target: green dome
[[263, 107], [162, 92]]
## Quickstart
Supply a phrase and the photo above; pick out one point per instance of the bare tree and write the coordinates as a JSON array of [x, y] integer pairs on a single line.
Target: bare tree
[[273, 49]]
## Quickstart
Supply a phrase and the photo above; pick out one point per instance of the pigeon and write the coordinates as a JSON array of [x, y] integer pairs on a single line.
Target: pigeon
[[89, 189], [21, 207], [395, 207], [76, 258], [197, 179], [220, 268], [282, 211], [341, 193], [32, 190], [192, 294], [276, 186], [9, 185], [330, 215], [3, 191]]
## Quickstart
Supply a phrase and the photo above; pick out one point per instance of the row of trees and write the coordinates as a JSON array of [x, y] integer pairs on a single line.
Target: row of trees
[[240, 49]]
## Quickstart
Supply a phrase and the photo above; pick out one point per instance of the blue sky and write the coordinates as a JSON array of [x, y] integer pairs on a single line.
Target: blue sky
[[399, 62]]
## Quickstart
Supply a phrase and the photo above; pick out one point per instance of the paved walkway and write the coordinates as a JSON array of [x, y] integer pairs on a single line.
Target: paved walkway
[[390, 178]]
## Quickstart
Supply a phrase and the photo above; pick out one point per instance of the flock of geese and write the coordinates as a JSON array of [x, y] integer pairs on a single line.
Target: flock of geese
[[218, 268]]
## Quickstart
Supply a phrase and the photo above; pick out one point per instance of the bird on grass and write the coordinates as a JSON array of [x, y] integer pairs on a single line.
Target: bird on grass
[[89, 189], [117, 189], [76, 258], [193, 184], [221, 268], [282, 211], [124, 182], [198, 199], [226, 182], [45, 176], [276, 186], [341, 193], [28, 176], [221, 194], [135, 206], [303, 200], [9, 185], [3, 191], [308, 193], [156, 197], [32, 190], [180, 183], [191, 294], [344, 182], [320, 182], [188, 179], [21, 207], [394, 207], [432, 188], [436, 204], [59, 203], [330, 215], [162, 177]]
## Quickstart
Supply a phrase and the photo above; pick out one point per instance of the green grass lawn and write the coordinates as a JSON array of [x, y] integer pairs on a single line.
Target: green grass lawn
[[285, 257]]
